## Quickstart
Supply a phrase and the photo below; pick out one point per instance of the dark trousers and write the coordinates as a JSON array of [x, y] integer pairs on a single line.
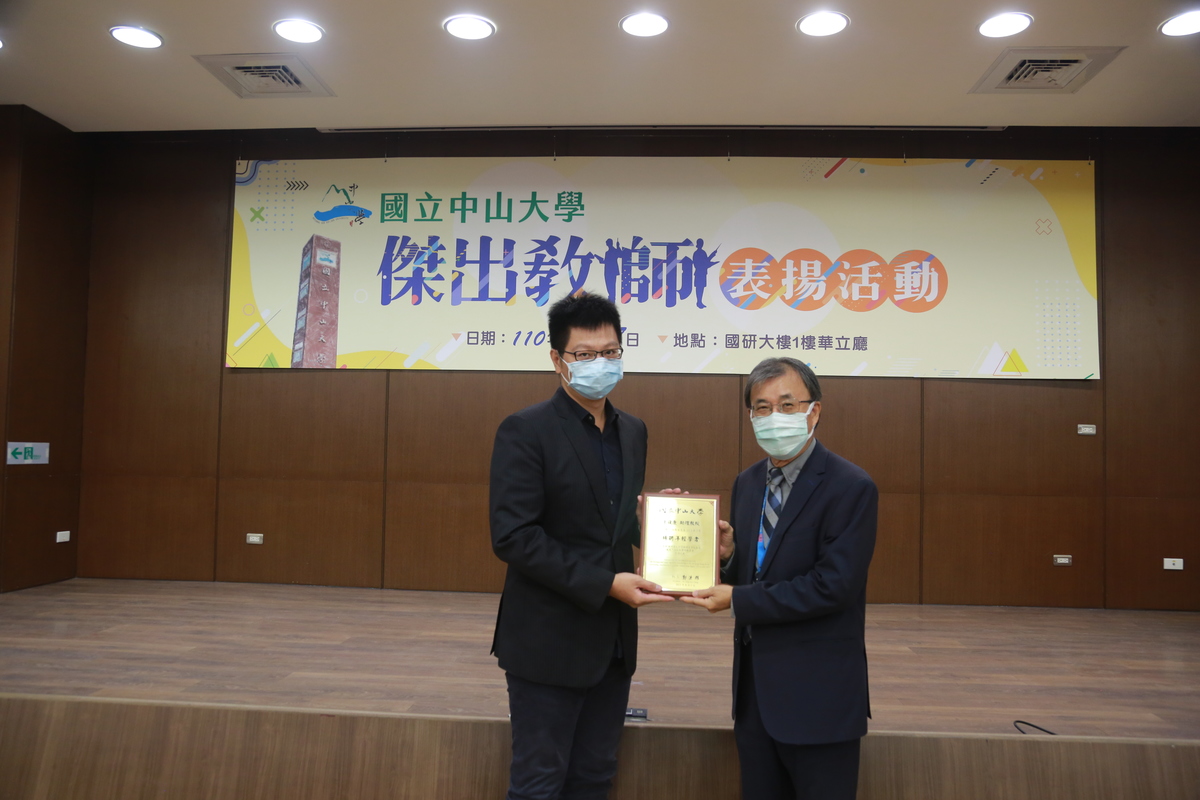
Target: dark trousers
[[773, 770], [565, 741]]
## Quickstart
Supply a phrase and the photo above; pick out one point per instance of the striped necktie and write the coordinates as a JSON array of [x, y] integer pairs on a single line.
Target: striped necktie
[[772, 503]]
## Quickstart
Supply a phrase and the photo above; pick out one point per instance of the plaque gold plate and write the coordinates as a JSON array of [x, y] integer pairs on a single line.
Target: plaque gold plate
[[680, 541]]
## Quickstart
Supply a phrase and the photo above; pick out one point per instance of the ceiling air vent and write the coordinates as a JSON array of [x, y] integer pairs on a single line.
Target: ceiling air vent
[[1044, 70], [266, 75]]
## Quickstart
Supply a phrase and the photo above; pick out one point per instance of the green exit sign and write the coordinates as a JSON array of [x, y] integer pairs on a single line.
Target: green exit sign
[[28, 453]]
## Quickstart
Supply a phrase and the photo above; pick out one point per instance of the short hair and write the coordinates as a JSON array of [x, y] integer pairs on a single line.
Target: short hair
[[771, 368], [584, 311]]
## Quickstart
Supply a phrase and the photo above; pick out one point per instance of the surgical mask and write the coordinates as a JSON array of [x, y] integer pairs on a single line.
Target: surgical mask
[[596, 378], [783, 436]]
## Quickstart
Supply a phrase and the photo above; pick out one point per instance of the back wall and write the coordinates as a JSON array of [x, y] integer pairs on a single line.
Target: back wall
[[380, 478]]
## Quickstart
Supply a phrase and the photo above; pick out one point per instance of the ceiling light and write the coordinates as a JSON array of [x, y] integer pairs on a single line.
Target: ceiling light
[[1005, 25], [299, 30], [1182, 25], [644, 24], [136, 37], [469, 26], [823, 23]]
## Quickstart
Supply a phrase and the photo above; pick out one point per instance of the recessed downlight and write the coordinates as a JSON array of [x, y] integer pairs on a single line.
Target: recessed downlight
[[823, 23], [136, 37], [1003, 25], [644, 24], [469, 26], [1182, 24], [299, 30]]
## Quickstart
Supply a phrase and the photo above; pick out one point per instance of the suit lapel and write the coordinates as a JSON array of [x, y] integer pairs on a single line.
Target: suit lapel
[[628, 459], [751, 520], [807, 481], [572, 427]]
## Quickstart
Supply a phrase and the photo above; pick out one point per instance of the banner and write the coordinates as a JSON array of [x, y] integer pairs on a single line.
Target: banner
[[917, 268]]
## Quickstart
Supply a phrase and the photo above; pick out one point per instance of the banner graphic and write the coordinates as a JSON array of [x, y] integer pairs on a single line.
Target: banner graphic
[[885, 267]]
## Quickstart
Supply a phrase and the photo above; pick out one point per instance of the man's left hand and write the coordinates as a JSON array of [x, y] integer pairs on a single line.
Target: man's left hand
[[716, 598]]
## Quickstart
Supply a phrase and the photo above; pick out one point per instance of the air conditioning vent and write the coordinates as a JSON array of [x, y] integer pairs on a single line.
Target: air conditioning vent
[[1044, 70], [266, 75]]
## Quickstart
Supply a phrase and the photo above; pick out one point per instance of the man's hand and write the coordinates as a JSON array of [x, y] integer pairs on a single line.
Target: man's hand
[[725, 540], [716, 598], [635, 591]]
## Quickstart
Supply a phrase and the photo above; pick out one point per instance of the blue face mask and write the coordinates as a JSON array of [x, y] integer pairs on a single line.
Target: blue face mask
[[596, 378]]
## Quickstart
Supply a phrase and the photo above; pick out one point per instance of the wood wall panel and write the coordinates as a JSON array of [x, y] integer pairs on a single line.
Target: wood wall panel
[[895, 575], [303, 425], [441, 425], [142, 526], [692, 423], [1013, 438], [49, 314], [439, 538], [34, 510], [70, 749], [156, 311], [997, 550], [876, 423], [10, 199], [1151, 327], [323, 532], [1141, 532]]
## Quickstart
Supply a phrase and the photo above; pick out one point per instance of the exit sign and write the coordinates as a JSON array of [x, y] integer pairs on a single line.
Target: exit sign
[[28, 453]]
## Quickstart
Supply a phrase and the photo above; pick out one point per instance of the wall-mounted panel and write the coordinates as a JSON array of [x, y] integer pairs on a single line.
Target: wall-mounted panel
[[895, 575], [1013, 438], [441, 424], [50, 294], [156, 308], [439, 538], [35, 509], [692, 429], [876, 423], [998, 550], [323, 532], [1151, 328], [1141, 532], [303, 425], [141, 526]]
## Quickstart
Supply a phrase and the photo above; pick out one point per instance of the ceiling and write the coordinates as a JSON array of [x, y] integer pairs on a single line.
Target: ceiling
[[566, 63]]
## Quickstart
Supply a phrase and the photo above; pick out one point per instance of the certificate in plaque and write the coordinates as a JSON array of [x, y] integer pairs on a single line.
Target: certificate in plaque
[[679, 541]]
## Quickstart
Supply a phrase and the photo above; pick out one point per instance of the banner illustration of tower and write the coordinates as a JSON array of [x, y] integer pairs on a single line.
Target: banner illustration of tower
[[315, 340]]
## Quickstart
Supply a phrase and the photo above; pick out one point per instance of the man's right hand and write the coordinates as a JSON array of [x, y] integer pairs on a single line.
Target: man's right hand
[[634, 590]]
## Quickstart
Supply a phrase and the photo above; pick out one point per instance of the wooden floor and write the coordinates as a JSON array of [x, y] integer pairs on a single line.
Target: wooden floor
[[949, 669]]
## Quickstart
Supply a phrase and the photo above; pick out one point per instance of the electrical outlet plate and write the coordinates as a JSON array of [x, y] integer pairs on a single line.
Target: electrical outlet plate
[[1172, 563], [1062, 561], [254, 538], [1085, 430], [62, 536]]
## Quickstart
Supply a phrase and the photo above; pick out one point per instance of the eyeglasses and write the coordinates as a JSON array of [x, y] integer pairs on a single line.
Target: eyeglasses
[[590, 355], [786, 407]]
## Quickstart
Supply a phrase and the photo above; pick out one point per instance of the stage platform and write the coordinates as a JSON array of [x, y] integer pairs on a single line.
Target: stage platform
[[130, 689]]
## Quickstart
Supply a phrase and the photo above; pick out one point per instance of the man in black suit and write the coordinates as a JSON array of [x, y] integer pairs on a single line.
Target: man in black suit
[[565, 479], [803, 532]]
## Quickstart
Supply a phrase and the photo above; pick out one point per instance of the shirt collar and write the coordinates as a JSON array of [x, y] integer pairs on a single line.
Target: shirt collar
[[791, 470], [610, 412]]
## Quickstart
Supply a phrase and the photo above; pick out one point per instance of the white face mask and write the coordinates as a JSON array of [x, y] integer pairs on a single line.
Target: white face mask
[[783, 436]]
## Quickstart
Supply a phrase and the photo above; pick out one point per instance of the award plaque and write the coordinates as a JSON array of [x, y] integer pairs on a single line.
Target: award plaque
[[680, 541]]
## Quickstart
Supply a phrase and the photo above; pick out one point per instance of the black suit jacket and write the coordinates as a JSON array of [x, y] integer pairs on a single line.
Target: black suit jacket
[[553, 524], [808, 609]]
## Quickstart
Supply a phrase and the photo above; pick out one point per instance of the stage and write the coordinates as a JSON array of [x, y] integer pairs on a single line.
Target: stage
[[127, 689]]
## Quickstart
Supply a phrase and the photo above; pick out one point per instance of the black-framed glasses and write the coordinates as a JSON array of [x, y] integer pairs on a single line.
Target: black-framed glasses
[[591, 355], [786, 407]]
